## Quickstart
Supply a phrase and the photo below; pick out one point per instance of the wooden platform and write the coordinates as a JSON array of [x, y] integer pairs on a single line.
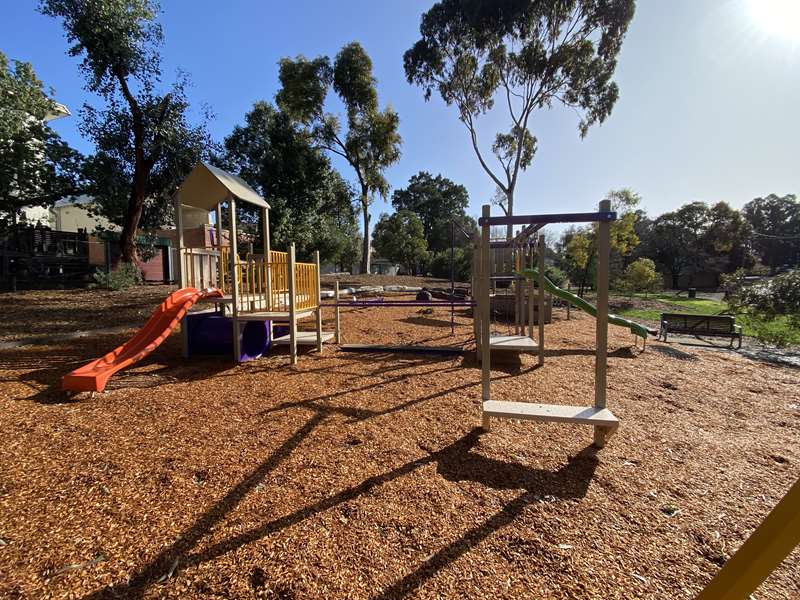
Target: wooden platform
[[304, 338], [274, 315], [513, 343], [583, 415]]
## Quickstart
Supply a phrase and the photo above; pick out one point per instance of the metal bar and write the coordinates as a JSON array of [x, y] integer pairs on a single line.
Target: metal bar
[[602, 216], [601, 327]]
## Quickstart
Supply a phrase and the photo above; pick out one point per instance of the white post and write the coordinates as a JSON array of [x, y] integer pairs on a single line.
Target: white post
[[292, 309], [218, 229], [319, 303], [234, 280], [485, 274], [601, 356], [179, 241], [337, 328], [540, 298], [181, 270]]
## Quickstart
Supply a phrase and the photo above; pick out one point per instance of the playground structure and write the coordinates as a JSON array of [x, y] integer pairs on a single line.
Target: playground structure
[[251, 297], [599, 416]]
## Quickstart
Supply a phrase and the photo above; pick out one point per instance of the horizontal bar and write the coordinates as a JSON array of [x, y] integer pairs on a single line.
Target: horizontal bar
[[401, 349], [556, 218], [397, 304]]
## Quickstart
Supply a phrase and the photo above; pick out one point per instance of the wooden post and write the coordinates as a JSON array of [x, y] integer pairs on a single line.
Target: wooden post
[[337, 326], [761, 553], [319, 303], [218, 234], [267, 248], [530, 308], [292, 308], [237, 353], [540, 299], [600, 365], [181, 270], [485, 274], [569, 288], [179, 229]]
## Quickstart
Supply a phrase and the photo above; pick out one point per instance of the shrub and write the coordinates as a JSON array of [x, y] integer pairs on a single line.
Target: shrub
[[124, 276], [641, 276]]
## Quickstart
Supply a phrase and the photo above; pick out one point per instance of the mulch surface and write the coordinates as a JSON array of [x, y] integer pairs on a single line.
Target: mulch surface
[[363, 476]]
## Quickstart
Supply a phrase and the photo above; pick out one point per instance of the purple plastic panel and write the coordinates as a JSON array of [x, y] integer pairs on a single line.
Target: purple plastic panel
[[212, 334]]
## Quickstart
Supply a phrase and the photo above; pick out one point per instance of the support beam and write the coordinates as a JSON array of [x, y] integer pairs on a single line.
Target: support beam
[[601, 327], [181, 270], [485, 273], [761, 553], [602, 216], [267, 248], [337, 324], [218, 235], [319, 304], [237, 354], [292, 308], [540, 298]]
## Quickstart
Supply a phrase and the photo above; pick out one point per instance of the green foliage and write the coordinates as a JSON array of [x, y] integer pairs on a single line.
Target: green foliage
[[311, 204], [143, 139], [529, 54], [124, 276], [697, 237], [436, 201], [400, 238], [439, 264], [36, 166], [775, 222], [173, 147], [580, 245], [556, 275], [768, 299], [371, 142], [641, 276]]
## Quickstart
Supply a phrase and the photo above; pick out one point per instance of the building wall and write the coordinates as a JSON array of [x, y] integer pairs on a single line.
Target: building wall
[[73, 217]]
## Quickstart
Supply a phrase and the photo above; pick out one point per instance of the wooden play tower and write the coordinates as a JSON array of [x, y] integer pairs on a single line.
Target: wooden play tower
[[271, 287]]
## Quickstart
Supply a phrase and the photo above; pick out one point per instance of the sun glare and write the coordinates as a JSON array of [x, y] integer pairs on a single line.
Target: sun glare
[[779, 18]]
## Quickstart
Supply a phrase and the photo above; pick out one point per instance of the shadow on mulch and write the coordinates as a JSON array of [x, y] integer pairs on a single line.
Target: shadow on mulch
[[673, 352], [43, 372], [455, 462], [430, 322]]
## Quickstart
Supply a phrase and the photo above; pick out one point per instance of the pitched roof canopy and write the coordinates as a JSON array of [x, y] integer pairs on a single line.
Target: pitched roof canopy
[[207, 186]]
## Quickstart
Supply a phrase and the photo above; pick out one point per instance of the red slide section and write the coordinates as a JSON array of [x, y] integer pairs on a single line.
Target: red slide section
[[94, 376]]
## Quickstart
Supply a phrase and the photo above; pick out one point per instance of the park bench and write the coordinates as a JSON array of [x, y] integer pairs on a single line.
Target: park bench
[[701, 325]]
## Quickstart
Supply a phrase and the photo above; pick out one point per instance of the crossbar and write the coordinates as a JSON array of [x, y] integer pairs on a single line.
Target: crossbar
[[591, 217]]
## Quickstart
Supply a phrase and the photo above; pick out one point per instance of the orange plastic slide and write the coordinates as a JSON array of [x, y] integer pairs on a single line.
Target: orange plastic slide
[[94, 376]]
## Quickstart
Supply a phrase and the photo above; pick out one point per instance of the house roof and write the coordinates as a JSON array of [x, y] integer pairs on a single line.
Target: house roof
[[207, 186]]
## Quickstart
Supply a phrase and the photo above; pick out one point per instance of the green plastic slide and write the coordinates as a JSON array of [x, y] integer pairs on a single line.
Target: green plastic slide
[[551, 287]]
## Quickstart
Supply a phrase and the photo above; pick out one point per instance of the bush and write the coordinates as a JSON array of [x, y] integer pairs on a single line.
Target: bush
[[439, 264], [556, 275], [774, 305], [124, 276], [641, 276]]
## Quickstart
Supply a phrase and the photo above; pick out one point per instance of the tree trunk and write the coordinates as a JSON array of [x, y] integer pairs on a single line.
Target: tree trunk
[[510, 212], [675, 276], [133, 215], [365, 257]]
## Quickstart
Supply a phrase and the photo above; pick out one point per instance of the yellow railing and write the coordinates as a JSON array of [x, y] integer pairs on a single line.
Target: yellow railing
[[263, 285]]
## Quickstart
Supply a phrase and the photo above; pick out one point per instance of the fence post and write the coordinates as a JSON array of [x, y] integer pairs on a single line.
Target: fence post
[[484, 277]]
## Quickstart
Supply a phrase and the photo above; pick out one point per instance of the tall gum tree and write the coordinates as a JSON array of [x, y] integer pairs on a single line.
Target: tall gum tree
[[525, 56], [143, 133], [371, 142]]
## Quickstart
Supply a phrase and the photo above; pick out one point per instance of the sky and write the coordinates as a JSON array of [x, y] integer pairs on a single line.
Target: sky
[[709, 105]]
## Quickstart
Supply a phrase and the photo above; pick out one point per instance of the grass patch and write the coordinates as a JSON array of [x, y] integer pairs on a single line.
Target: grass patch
[[778, 329]]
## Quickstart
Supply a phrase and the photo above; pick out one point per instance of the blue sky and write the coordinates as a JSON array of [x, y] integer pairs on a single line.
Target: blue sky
[[709, 104]]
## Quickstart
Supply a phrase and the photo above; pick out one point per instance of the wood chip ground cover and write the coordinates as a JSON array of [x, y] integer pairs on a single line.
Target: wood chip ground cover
[[362, 476]]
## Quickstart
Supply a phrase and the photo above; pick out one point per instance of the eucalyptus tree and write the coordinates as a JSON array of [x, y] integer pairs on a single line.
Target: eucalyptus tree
[[524, 55], [145, 143], [36, 166], [370, 142]]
